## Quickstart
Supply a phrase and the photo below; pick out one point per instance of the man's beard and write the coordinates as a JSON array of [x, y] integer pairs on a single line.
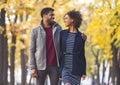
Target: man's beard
[[51, 23]]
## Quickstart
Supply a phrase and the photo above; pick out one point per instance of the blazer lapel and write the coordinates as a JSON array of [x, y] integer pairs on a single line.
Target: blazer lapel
[[65, 35]]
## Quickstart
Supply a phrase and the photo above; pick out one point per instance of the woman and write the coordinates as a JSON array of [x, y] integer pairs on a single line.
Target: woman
[[72, 59]]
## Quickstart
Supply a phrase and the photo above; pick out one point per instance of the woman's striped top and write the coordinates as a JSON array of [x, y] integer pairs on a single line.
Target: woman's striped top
[[69, 50]]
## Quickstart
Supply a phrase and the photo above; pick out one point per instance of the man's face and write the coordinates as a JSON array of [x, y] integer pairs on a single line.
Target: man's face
[[49, 17]]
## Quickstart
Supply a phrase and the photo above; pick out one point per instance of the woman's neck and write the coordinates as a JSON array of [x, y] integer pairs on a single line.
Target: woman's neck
[[72, 29]]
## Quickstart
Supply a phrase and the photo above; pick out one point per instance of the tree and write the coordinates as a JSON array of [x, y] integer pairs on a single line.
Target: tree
[[21, 17], [3, 50], [103, 31]]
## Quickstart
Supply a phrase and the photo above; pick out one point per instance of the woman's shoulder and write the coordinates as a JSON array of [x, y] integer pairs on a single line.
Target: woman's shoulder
[[79, 32], [64, 31]]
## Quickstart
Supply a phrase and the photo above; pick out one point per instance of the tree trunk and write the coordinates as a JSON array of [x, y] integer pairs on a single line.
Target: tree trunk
[[110, 72], [97, 63], [3, 51], [53, 3], [116, 68], [12, 60], [23, 67], [5, 63], [118, 76], [1, 59], [98, 70], [103, 73], [23, 58]]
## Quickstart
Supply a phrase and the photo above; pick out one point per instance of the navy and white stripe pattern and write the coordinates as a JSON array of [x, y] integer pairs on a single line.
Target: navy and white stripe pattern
[[69, 51], [66, 73]]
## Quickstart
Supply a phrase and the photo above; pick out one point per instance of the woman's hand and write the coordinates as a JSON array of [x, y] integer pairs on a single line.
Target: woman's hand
[[83, 77]]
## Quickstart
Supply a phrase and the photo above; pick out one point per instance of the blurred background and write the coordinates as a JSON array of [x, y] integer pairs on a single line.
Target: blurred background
[[101, 24]]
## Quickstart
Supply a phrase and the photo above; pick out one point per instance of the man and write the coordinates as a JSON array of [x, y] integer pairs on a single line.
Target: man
[[44, 48]]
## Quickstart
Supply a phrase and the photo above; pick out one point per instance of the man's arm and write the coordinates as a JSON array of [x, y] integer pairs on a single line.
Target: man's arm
[[32, 50], [32, 55]]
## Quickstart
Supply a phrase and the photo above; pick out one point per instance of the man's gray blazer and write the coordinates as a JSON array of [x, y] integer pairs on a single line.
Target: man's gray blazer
[[38, 46]]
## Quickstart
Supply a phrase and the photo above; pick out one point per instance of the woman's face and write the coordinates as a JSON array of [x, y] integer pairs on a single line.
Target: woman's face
[[68, 21]]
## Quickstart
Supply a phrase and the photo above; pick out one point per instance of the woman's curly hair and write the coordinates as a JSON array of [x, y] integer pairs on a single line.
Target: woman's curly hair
[[76, 16]]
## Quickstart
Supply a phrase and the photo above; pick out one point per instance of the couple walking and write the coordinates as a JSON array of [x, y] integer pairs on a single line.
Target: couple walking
[[54, 51]]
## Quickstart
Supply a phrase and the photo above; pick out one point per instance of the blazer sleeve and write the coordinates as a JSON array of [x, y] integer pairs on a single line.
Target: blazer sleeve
[[84, 59], [60, 47], [32, 50]]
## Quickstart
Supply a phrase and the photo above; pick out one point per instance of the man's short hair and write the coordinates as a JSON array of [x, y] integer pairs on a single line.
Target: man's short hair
[[46, 11]]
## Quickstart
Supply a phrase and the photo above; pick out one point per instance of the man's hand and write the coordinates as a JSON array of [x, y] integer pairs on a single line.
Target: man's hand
[[34, 73], [84, 37], [83, 77]]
